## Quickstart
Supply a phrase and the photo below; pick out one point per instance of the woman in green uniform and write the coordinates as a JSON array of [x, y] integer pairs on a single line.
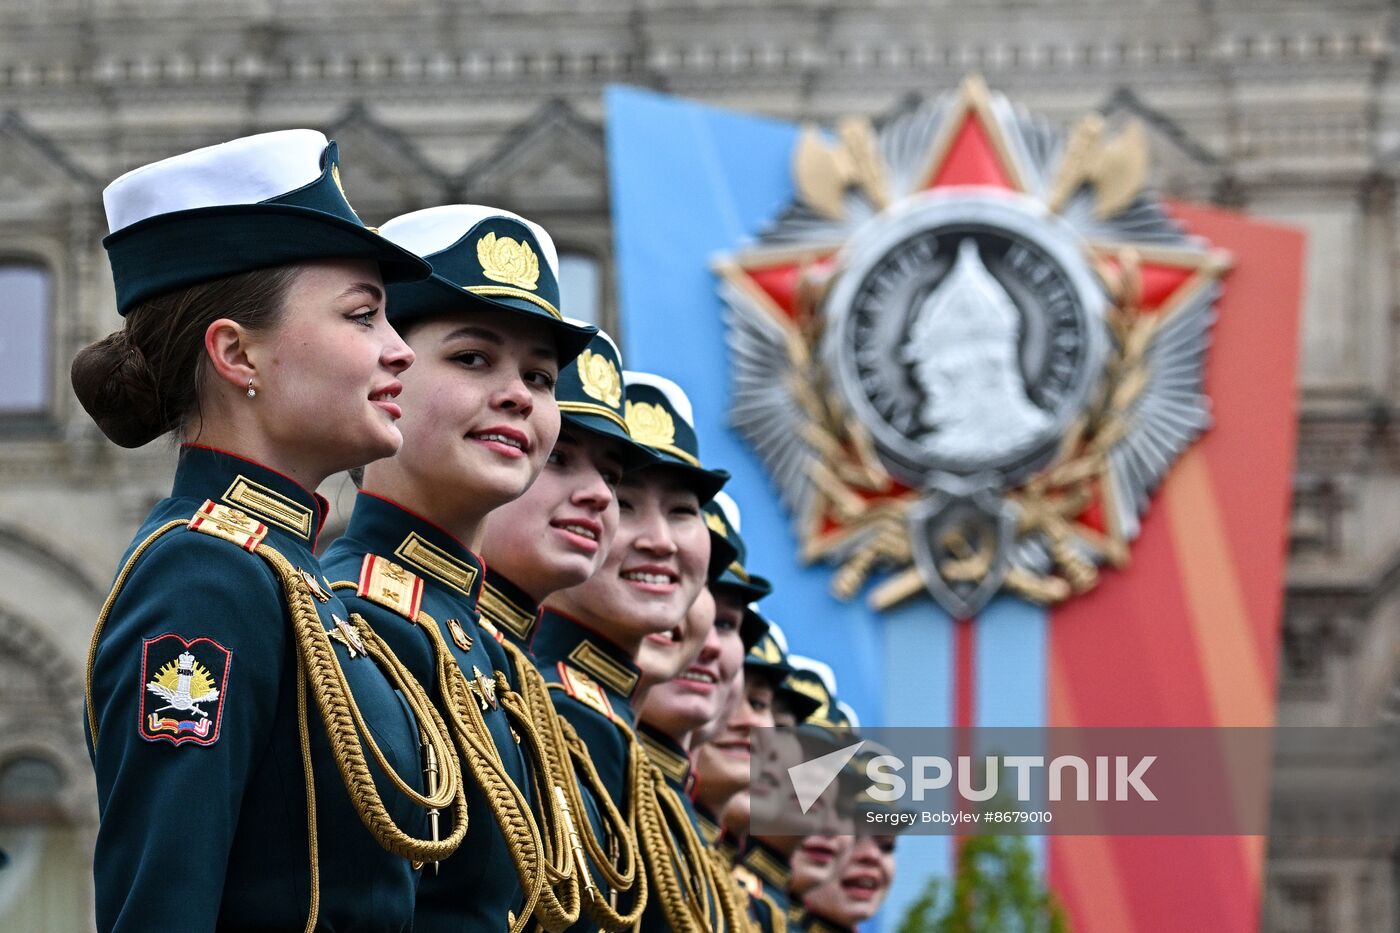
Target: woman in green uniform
[[480, 422], [256, 746], [556, 536], [590, 636]]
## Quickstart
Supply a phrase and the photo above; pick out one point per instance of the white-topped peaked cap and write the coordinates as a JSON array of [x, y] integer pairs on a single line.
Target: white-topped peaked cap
[[601, 335], [433, 229], [241, 171], [484, 259], [730, 508], [591, 395], [776, 631], [659, 415], [252, 203], [680, 402], [823, 670]]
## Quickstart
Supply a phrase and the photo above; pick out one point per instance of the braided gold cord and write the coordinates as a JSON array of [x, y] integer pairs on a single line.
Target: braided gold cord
[[618, 827], [312, 843], [622, 832], [666, 860], [509, 806], [563, 753], [340, 714], [734, 901], [552, 821], [692, 877]]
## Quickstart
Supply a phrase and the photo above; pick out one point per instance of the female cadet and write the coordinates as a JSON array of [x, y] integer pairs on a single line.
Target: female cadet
[[480, 420], [856, 890], [557, 536], [722, 763], [255, 770], [704, 692], [852, 892], [589, 638]]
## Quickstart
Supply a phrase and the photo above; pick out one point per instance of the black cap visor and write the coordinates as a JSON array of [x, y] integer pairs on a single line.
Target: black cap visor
[[634, 456], [172, 251], [436, 295]]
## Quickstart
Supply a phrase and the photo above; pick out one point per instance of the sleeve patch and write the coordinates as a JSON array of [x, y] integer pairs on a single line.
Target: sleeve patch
[[391, 586], [586, 690], [183, 687]]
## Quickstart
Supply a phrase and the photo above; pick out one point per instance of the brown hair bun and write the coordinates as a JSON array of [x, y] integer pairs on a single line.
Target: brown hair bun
[[115, 385]]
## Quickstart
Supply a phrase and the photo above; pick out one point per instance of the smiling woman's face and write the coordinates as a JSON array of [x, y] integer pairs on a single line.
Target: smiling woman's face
[[329, 371], [479, 415], [559, 532], [656, 566], [855, 894], [723, 762]]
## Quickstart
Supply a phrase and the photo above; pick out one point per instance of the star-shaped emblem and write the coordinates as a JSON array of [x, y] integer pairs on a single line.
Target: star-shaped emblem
[[346, 634], [484, 688], [848, 507]]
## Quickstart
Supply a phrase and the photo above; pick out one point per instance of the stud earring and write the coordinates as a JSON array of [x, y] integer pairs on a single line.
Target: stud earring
[[252, 392]]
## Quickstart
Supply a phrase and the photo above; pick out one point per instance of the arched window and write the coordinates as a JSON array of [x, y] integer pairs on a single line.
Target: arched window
[[580, 286], [29, 790], [25, 332]]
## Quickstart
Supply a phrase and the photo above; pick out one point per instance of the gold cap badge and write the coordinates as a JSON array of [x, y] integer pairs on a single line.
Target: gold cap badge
[[716, 524], [600, 378], [650, 424], [335, 177], [511, 262]]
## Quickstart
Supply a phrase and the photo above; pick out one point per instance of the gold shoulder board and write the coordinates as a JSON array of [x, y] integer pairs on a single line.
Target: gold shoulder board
[[586, 690], [391, 586], [231, 524], [489, 627]]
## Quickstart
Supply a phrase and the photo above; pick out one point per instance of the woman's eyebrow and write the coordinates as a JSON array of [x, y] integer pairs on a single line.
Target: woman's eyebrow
[[367, 289], [479, 333]]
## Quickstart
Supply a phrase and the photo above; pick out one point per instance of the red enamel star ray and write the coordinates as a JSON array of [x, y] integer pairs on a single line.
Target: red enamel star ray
[[972, 148]]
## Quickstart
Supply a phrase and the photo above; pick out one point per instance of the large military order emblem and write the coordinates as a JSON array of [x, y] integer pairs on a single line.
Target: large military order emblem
[[970, 349]]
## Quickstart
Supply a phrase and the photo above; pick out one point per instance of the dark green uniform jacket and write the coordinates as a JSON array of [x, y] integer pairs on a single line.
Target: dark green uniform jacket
[[476, 888], [193, 729], [766, 875], [515, 616], [591, 680], [810, 923]]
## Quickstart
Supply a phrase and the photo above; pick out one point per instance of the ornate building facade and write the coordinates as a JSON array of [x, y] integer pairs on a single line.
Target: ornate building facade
[[1286, 109]]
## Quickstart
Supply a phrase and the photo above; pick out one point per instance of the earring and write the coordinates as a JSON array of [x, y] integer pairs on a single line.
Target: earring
[[252, 392]]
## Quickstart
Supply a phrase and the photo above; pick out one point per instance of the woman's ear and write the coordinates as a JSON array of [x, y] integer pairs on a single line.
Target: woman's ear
[[227, 343]]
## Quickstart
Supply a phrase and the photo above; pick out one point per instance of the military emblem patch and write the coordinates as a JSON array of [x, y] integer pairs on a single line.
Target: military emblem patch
[[509, 261], [183, 686], [347, 635]]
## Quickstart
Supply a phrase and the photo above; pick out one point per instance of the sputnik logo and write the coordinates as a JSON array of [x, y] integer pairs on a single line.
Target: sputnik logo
[[810, 779]]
